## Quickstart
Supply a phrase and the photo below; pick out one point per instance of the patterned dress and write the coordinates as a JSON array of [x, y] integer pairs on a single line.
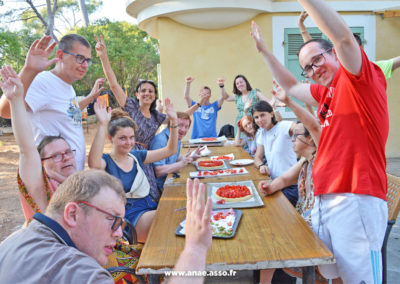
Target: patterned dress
[[240, 105], [147, 128]]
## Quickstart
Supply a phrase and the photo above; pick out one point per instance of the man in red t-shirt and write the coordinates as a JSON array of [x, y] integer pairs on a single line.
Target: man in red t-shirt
[[350, 210]]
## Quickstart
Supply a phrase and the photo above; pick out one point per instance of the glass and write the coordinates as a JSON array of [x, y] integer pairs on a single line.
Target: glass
[[80, 59], [294, 136], [118, 221], [58, 157], [318, 60]]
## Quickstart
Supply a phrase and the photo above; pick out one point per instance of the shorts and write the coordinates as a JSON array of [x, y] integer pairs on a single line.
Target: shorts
[[353, 227], [136, 207], [291, 193]]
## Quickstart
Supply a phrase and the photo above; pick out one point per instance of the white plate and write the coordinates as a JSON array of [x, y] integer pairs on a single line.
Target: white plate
[[242, 162]]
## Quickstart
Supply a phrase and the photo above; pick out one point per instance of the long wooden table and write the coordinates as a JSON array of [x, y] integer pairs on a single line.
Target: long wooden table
[[273, 236]]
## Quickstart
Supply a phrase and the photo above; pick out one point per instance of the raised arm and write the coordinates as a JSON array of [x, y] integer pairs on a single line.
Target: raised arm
[[94, 94], [117, 90], [302, 114], [172, 145], [333, 26], [396, 63], [95, 160], [304, 32], [224, 94], [30, 164], [186, 92], [36, 61], [238, 141], [284, 77], [198, 237]]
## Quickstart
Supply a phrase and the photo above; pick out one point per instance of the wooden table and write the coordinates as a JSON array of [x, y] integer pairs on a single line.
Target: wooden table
[[273, 236]]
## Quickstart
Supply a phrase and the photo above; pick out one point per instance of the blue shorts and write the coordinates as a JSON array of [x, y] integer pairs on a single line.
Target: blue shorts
[[135, 207], [291, 193]]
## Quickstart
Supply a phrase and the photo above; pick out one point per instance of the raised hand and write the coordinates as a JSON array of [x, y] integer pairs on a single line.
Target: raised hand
[[100, 47], [37, 58], [189, 79], [159, 105], [302, 17], [221, 81], [248, 104], [170, 111], [97, 88], [197, 227], [11, 84], [103, 113], [258, 37], [280, 93]]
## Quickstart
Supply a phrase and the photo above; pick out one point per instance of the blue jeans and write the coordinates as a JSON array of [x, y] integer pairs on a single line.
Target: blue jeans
[[291, 193], [135, 207]]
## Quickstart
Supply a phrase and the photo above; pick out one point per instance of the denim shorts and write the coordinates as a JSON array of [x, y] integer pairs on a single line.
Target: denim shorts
[[135, 207]]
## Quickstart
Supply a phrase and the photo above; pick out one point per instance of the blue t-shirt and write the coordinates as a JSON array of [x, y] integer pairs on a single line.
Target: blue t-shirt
[[126, 178], [205, 121], [160, 141]]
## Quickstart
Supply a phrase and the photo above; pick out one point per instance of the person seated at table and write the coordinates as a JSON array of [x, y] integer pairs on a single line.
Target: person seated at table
[[246, 135], [274, 143], [175, 162], [305, 139], [205, 117], [83, 221], [126, 163]]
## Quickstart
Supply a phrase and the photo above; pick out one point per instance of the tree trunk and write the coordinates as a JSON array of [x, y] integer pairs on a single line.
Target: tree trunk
[[85, 16]]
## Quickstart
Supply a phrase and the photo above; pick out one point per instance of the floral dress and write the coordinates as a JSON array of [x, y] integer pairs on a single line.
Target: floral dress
[[147, 128], [240, 105]]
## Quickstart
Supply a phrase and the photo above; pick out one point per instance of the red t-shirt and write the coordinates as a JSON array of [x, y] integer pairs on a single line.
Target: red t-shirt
[[355, 124]]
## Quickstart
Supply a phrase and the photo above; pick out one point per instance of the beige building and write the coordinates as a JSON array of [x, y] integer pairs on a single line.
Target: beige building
[[208, 39]]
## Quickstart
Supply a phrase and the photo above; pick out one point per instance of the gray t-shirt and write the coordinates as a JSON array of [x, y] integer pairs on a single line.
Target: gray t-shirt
[[37, 255]]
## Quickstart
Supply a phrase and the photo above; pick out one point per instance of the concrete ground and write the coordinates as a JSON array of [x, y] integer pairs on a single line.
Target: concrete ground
[[393, 248]]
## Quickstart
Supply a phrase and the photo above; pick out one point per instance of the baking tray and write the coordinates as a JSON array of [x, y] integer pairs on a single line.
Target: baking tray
[[239, 171], [255, 201], [238, 214], [224, 167]]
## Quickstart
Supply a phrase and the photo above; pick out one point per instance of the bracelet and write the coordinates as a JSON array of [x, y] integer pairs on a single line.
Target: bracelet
[[221, 86], [175, 126], [199, 105]]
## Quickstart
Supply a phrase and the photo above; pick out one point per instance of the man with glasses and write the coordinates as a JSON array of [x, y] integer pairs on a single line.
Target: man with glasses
[[84, 219], [350, 210], [50, 98]]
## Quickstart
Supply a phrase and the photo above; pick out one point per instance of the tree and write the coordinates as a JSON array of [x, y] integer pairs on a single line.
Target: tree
[[133, 54]]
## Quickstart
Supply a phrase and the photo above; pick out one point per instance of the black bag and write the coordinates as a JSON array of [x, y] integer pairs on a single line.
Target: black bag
[[227, 130]]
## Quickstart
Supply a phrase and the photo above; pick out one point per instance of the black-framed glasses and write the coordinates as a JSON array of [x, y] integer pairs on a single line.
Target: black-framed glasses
[[80, 59], [117, 222], [318, 60], [58, 157], [294, 136]]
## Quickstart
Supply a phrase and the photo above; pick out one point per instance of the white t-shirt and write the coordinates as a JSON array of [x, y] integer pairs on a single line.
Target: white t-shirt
[[55, 111], [278, 147]]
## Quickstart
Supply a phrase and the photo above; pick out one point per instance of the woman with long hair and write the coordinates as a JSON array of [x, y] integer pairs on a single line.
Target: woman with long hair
[[246, 135]]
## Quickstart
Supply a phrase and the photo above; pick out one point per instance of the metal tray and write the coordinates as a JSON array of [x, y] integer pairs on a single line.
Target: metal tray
[[238, 216], [255, 201], [224, 167]]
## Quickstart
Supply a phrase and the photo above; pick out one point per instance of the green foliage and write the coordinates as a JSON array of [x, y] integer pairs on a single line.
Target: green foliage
[[133, 54]]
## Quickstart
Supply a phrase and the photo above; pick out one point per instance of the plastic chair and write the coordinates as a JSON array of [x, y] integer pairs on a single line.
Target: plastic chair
[[393, 202]]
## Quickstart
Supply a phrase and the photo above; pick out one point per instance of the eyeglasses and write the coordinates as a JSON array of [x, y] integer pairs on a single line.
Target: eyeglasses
[[80, 59], [294, 136], [318, 60], [58, 157], [117, 222]]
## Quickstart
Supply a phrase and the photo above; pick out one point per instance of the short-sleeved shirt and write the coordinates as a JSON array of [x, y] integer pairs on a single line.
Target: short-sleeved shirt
[[205, 121], [278, 147], [386, 67], [354, 117], [160, 141], [37, 254], [55, 111], [126, 178]]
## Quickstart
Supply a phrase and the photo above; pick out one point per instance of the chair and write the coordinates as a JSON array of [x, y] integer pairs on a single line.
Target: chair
[[129, 234], [393, 202]]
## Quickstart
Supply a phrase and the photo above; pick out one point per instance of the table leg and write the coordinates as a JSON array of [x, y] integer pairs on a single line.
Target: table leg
[[155, 278], [308, 274], [256, 276]]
